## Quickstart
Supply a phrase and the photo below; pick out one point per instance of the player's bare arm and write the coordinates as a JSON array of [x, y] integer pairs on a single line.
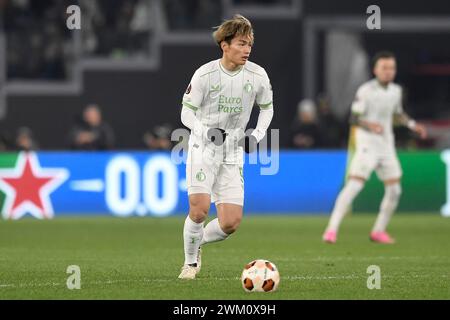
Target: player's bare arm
[[407, 121]]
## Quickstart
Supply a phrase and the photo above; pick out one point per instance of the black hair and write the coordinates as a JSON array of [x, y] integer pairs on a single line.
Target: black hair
[[382, 55]]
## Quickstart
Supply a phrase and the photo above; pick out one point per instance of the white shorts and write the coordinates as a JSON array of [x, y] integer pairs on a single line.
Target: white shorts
[[224, 182], [386, 165]]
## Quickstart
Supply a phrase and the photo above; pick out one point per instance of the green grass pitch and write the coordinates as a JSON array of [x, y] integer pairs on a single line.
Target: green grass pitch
[[140, 258]]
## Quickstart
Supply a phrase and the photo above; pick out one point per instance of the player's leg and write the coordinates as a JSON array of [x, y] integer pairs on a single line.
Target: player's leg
[[361, 167], [343, 202], [228, 219], [228, 194], [390, 173], [200, 176], [199, 204], [392, 193], [193, 226]]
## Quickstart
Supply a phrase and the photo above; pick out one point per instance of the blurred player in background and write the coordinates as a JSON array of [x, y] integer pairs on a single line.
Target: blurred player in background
[[377, 103], [217, 107]]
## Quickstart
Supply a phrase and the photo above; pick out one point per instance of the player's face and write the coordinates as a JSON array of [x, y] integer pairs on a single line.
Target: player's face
[[385, 70], [238, 51]]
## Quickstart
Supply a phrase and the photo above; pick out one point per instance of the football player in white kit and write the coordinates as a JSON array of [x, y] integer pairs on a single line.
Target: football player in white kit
[[217, 107], [378, 103]]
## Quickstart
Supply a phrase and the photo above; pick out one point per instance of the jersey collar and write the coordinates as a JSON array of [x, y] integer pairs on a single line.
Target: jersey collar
[[379, 85], [230, 73]]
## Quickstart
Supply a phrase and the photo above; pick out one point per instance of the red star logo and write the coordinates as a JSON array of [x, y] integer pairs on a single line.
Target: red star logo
[[28, 187]]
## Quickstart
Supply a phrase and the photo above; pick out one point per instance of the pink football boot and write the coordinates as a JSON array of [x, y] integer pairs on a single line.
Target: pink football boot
[[381, 237], [330, 236]]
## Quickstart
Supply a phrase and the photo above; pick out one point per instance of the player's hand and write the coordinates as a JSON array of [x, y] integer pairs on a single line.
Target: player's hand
[[249, 143], [421, 130], [216, 136], [375, 127]]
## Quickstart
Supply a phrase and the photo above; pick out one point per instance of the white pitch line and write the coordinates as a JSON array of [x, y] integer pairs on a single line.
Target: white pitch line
[[286, 278], [31, 284], [343, 258]]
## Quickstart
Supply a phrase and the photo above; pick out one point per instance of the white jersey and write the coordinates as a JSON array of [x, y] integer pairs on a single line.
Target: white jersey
[[377, 104], [222, 99]]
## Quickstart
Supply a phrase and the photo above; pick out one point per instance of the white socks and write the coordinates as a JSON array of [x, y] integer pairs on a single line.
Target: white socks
[[343, 202], [213, 232], [192, 234], [195, 235], [388, 205]]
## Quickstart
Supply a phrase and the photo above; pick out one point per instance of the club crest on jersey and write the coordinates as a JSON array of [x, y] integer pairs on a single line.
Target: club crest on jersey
[[201, 176], [248, 87]]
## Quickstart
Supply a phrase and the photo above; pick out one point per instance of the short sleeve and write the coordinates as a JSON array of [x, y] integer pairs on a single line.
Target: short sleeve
[[264, 95], [193, 97], [359, 104]]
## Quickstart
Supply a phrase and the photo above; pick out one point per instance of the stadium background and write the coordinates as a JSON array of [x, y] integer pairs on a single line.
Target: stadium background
[[135, 58]]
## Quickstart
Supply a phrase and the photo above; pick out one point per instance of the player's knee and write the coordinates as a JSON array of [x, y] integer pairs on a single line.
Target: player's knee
[[352, 188], [394, 192], [198, 208], [397, 191], [198, 212], [231, 225], [356, 184]]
